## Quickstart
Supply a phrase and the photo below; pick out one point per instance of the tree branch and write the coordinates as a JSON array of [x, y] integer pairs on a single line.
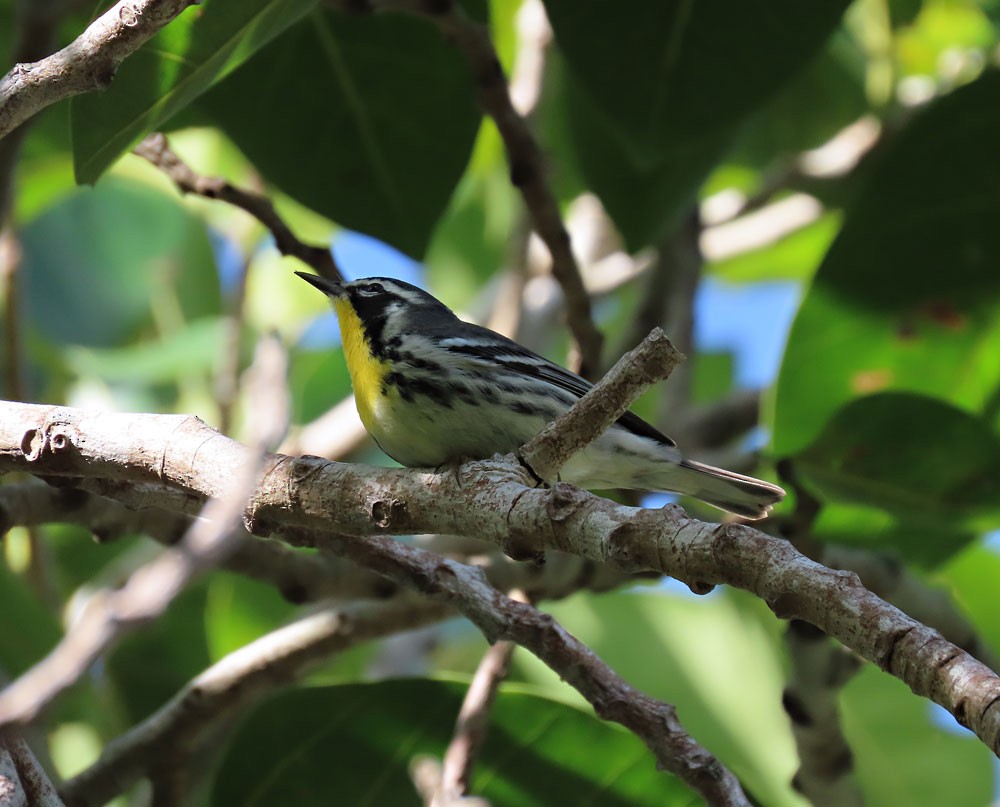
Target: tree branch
[[495, 501], [157, 151], [500, 617], [652, 361], [473, 723], [819, 670], [36, 786], [88, 63]]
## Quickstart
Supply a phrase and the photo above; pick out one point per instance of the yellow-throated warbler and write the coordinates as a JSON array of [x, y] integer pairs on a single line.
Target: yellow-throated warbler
[[432, 389]]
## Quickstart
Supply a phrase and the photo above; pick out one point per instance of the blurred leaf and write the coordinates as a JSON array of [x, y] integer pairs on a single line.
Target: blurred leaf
[[921, 543], [240, 610], [369, 120], [901, 757], [318, 380], [357, 741], [182, 61], [474, 236], [37, 627], [972, 580], [194, 348], [650, 119], [716, 657], [643, 199], [149, 666], [794, 257], [911, 455], [942, 28], [44, 172], [96, 263], [712, 377], [792, 121], [907, 297], [75, 555]]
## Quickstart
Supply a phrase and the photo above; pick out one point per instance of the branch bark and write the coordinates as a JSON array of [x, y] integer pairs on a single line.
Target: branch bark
[[495, 501], [652, 361], [88, 63]]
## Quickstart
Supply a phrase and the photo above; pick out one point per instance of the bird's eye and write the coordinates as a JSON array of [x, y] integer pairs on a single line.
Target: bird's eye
[[371, 289]]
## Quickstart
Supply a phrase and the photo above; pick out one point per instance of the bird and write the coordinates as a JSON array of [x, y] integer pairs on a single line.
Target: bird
[[433, 390]]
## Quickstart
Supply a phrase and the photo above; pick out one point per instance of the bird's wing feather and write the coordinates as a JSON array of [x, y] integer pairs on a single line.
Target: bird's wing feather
[[486, 348]]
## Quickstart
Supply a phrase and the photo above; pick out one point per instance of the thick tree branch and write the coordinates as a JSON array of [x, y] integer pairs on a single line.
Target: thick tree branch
[[495, 501], [298, 576], [88, 63]]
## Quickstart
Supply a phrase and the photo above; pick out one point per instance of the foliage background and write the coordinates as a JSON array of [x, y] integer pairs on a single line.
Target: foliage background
[[365, 127]]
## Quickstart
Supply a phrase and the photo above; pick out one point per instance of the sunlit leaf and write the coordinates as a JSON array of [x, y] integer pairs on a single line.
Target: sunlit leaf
[[900, 452], [908, 297], [368, 120], [182, 61], [650, 119], [96, 263]]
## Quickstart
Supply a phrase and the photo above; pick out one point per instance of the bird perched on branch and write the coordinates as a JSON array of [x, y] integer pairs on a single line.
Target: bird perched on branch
[[432, 389]]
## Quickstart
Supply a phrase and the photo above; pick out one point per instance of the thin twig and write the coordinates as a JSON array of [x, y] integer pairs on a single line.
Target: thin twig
[[156, 149], [474, 721], [652, 361]]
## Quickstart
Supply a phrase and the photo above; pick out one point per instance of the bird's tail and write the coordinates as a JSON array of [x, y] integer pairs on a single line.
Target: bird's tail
[[742, 495]]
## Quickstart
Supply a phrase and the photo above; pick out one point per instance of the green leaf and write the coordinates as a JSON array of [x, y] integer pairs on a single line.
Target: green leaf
[[37, 629], [149, 666], [182, 61], [911, 455], [357, 740], [971, 578], [794, 257], [717, 658], [650, 119], [240, 610], [901, 757], [644, 197], [908, 297], [923, 543], [318, 380], [97, 263], [792, 121], [367, 120], [194, 348]]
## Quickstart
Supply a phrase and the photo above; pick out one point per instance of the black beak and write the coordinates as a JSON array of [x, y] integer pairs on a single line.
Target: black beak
[[328, 287]]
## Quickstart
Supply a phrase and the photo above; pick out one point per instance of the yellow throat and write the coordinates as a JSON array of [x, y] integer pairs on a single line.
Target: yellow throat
[[366, 371]]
